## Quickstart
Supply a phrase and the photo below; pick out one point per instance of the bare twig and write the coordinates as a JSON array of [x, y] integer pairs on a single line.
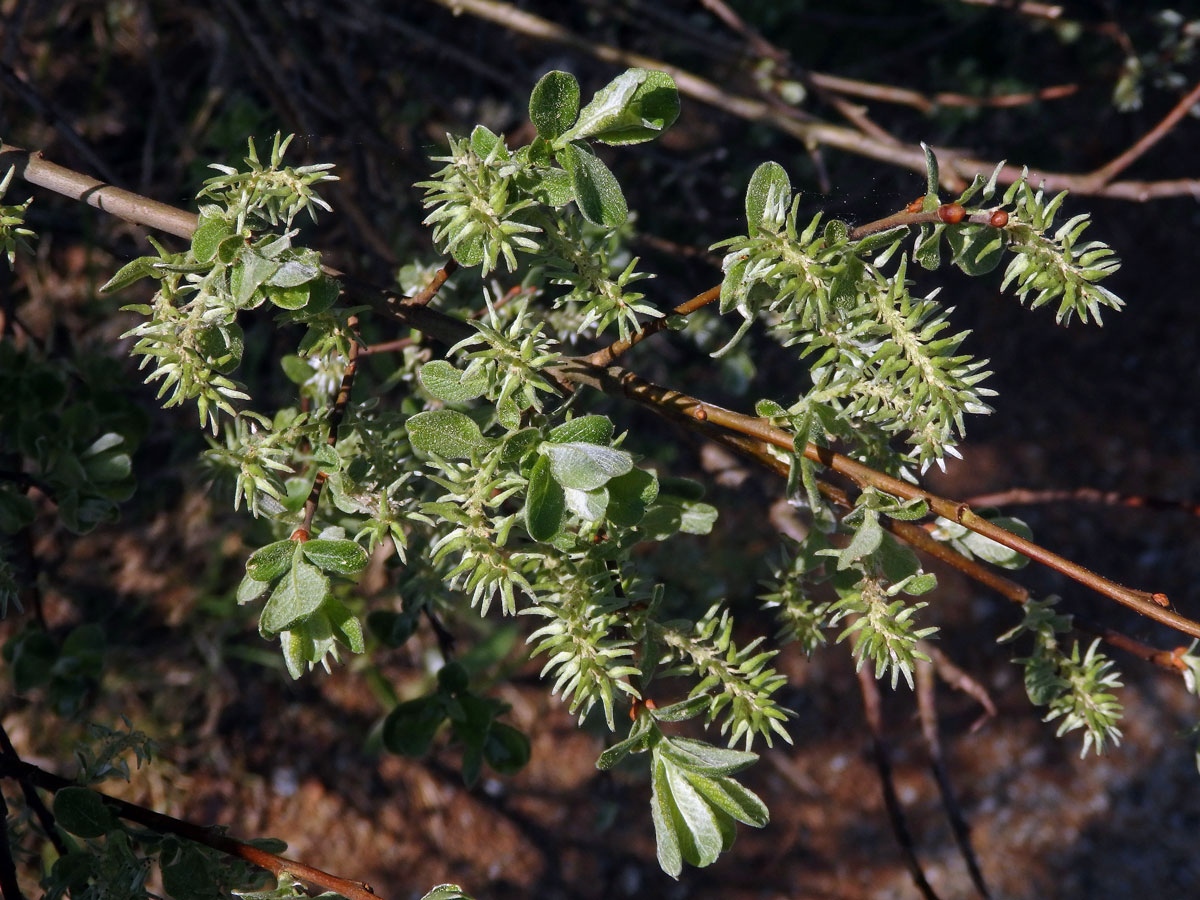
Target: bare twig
[[1111, 170], [427, 293], [32, 799], [164, 824], [887, 93], [1030, 497], [960, 680], [957, 167], [927, 709], [873, 708], [605, 356]]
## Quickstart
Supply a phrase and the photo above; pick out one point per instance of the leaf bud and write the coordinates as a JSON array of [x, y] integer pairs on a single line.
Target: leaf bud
[[951, 213], [998, 219]]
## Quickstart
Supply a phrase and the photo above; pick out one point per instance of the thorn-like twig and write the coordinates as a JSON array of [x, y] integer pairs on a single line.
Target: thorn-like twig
[[927, 709], [873, 709]]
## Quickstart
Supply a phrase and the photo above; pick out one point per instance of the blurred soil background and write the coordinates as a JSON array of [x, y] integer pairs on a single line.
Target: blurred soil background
[[145, 93]]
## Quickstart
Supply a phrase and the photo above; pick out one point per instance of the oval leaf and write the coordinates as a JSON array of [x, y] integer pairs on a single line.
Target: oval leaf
[[445, 432], [638, 105], [590, 429], [82, 812], [554, 104], [596, 190], [769, 182], [298, 595], [269, 562], [545, 504], [586, 467], [449, 384], [342, 557]]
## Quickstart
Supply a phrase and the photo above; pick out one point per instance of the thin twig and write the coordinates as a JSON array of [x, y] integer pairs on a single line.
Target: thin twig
[[957, 168], [335, 420], [960, 680], [1111, 170], [32, 799], [887, 93], [164, 824], [927, 710], [427, 293], [445, 638], [607, 355], [10, 887], [1031, 497], [873, 708]]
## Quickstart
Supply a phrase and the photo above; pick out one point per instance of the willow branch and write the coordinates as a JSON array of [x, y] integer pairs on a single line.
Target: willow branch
[[164, 824], [682, 407], [1031, 497], [957, 167], [114, 200], [1109, 171], [677, 405]]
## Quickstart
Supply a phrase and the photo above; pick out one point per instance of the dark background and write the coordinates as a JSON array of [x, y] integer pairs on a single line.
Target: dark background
[[145, 94]]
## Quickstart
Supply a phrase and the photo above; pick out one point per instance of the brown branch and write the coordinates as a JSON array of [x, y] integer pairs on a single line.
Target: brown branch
[[121, 203], [873, 709], [427, 293], [164, 824], [957, 167], [927, 710], [886, 93], [1112, 169], [960, 680], [682, 407], [1030, 497], [605, 356]]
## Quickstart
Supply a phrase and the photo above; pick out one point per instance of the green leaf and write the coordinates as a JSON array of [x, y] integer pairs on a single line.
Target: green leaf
[[135, 270], [549, 186], [584, 466], [630, 495], [589, 429], [506, 749], [997, 554], [641, 736], [705, 759], [269, 562], [298, 595], [770, 180], [588, 505], [731, 798], [297, 369], [82, 812], [208, 235], [392, 628], [701, 838], [931, 171], [596, 190], [452, 385], [662, 811], [638, 105], [445, 432], [342, 557], [410, 727], [545, 503], [189, 877], [554, 104], [446, 892], [289, 298], [867, 538], [251, 589], [250, 272], [484, 141]]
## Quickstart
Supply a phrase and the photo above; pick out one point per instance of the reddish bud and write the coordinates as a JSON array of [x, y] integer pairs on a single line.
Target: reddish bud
[[1161, 599], [299, 535], [650, 704], [700, 413], [951, 213], [998, 219], [916, 205]]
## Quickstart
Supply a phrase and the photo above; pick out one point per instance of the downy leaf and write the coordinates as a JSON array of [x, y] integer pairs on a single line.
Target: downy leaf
[[445, 432]]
